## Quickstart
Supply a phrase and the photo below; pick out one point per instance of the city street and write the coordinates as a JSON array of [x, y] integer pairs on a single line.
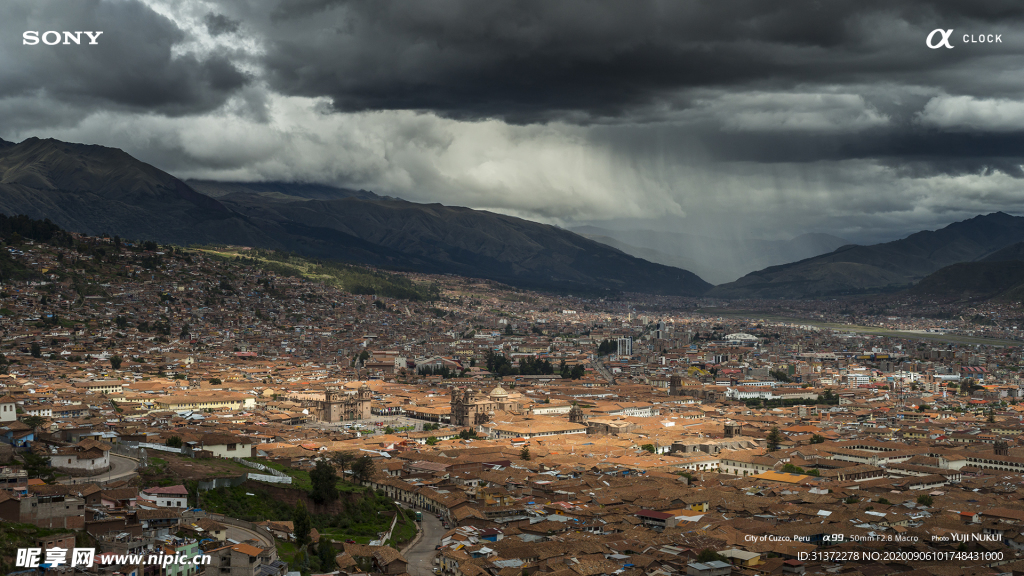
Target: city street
[[421, 554]]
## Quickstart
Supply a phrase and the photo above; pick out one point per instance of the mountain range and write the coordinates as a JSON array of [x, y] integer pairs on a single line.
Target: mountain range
[[890, 266], [95, 189], [716, 259]]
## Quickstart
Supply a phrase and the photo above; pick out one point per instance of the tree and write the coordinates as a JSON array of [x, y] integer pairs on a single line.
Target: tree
[[325, 482], [524, 454], [432, 441], [829, 397], [302, 523], [342, 460], [37, 466], [817, 439], [115, 362], [883, 501], [709, 555], [363, 468], [33, 421], [774, 439], [991, 415], [215, 381], [925, 500], [649, 447], [36, 351], [325, 550], [173, 442], [852, 500], [792, 469]]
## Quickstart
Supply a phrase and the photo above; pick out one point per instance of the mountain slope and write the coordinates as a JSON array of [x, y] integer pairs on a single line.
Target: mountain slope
[[93, 189], [892, 265], [974, 281], [447, 239], [1000, 276]]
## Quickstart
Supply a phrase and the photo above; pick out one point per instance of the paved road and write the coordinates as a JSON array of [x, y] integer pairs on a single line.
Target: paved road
[[421, 553], [243, 534], [120, 467], [603, 370]]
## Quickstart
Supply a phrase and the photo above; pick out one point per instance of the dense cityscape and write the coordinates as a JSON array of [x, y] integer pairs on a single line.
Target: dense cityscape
[[228, 404]]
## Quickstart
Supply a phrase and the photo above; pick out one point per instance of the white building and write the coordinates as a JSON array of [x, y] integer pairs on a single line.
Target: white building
[[89, 455], [8, 410], [164, 497], [625, 346]]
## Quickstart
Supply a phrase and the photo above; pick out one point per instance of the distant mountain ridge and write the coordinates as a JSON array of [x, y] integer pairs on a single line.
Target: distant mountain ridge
[[880, 267], [95, 189], [715, 259]]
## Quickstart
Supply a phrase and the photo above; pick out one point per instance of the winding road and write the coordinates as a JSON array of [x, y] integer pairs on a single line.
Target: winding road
[[120, 467]]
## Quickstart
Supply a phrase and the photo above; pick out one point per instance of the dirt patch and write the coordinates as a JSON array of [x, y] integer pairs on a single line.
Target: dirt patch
[[184, 468]]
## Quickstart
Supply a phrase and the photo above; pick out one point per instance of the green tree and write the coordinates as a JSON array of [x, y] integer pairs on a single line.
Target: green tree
[[325, 482], [774, 439], [883, 501], [991, 415], [115, 362], [709, 555], [363, 468], [302, 524], [37, 466], [35, 350], [33, 421], [524, 454], [173, 442], [325, 550], [432, 441], [925, 500], [649, 447], [342, 460], [817, 439], [792, 469]]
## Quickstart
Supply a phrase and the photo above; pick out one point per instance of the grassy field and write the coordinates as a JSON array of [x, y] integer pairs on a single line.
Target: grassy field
[[870, 330]]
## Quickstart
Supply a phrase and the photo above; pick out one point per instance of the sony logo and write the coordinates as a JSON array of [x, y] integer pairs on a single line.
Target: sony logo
[[51, 37]]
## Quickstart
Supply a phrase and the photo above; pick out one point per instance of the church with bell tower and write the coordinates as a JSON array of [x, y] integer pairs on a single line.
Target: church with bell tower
[[336, 407], [473, 408]]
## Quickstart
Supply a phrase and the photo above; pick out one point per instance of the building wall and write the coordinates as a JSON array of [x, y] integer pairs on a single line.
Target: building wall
[[8, 412]]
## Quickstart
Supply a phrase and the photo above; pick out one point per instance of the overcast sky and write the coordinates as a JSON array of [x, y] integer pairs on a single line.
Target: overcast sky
[[749, 117]]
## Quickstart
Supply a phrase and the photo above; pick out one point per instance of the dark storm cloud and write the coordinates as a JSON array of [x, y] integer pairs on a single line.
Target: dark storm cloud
[[534, 60], [131, 67], [217, 24]]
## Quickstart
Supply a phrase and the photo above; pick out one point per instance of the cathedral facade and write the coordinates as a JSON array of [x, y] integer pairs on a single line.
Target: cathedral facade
[[472, 408], [337, 407]]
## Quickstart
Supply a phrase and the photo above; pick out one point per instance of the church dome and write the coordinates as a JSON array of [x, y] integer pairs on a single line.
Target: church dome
[[499, 392]]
